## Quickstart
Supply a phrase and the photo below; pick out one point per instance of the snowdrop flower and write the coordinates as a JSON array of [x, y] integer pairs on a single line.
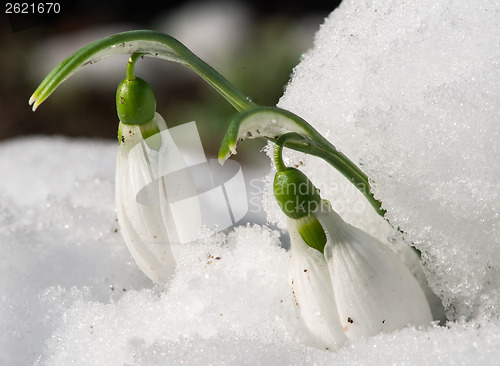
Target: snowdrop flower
[[156, 198], [141, 226], [148, 219], [367, 288], [346, 283]]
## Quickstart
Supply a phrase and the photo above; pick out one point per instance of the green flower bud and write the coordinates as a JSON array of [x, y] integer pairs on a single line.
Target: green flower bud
[[295, 193], [135, 102]]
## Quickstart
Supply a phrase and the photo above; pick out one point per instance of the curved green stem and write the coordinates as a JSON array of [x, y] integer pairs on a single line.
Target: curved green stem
[[131, 65], [147, 43], [345, 168], [272, 123], [278, 149]]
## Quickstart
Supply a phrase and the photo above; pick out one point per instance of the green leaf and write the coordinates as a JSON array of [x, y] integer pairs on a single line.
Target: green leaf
[[270, 123]]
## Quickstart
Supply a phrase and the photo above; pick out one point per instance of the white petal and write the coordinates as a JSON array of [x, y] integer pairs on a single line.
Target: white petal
[[141, 224], [373, 288], [314, 298], [152, 183], [414, 264]]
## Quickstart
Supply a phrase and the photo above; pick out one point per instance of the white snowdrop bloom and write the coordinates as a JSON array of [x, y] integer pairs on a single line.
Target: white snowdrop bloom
[[346, 283], [374, 290], [144, 197], [358, 287]]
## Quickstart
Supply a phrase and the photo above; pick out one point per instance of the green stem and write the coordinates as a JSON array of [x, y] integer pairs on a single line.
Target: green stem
[[131, 66], [278, 149], [147, 43], [335, 158], [272, 123], [343, 166]]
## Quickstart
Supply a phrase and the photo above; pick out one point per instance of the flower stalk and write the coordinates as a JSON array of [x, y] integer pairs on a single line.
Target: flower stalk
[[146, 43], [272, 123]]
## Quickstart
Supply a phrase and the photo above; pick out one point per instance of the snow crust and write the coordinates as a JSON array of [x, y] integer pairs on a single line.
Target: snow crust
[[411, 93], [408, 90]]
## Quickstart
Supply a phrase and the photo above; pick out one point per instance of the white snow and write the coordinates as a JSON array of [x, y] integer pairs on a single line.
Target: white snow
[[412, 93], [408, 90]]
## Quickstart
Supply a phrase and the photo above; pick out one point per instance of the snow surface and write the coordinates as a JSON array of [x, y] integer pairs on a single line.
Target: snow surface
[[412, 94], [409, 90]]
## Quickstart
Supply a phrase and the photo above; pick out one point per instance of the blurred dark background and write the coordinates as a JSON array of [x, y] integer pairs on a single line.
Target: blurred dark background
[[253, 44]]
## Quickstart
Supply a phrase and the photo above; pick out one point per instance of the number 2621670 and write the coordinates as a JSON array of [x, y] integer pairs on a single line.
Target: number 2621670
[[32, 8]]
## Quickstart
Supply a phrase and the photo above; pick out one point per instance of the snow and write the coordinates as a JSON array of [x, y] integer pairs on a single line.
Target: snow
[[408, 91], [411, 93]]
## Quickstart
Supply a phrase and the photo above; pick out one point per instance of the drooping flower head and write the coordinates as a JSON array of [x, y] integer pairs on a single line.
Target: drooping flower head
[[147, 153], [153, 210], [346, 283]]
